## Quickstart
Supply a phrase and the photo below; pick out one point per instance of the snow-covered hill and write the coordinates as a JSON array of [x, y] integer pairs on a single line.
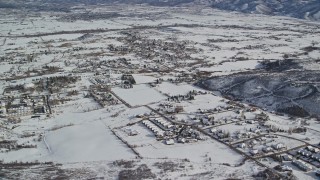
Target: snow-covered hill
[[306, 9]]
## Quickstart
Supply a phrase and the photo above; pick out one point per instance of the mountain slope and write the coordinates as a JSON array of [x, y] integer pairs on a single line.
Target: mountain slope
[[306, 9]]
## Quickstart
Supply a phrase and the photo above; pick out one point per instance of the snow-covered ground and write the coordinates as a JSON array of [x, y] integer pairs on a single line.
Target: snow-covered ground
[[82, 134], [139, 95]]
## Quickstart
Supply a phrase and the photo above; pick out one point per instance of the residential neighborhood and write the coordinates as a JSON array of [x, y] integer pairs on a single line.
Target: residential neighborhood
[[90, 90]]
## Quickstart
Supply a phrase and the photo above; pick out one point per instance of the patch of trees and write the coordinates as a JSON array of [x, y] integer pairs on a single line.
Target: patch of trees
[[279, 65], [124, 163], [310, 48], [142, 172], [166, 166], [295, 111]]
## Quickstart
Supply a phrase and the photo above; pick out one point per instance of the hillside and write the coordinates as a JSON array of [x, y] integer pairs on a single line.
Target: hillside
[[294, 8]]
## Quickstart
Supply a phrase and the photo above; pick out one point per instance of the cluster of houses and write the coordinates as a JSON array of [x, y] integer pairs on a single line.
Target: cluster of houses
[[264, 150], [9, 145], [155, 49], [303, 158], [127, 81], [17, 107], [159, 55], [169, 108], [184, 134], [311, 153], [154, 128], [237, 135], [103, 96], [274, 147], [170, 133], [163, 123]]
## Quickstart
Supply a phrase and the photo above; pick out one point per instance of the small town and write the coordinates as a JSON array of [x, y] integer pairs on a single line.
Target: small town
[[151, 92]]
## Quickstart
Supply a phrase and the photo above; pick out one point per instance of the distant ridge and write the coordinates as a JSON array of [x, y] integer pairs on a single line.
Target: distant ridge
[[303, 9]]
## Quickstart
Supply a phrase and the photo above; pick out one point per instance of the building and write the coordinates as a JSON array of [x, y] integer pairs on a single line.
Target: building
[[170, 142], [302, 165], [278, 146], [262, 116], [131, 132], [254, 152], [267, 149], [316, 157], [127, 81], [304, 152], [181, 140], [126, 84], [3, 110], [312, 149], [286, 157], [213, 130], [242, 145], [19, 110]]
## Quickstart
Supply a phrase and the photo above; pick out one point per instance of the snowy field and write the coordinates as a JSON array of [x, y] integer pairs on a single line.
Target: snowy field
[[139, 95], [86, 142]]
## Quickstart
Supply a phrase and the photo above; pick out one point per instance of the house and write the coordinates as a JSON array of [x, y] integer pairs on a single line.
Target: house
[[302, 165], [3, 136], [178, 109], [213, 130], [257, 131], [242, 116], [132, 132], [3, 110], [250, 121], [278, 146], [155, 129], [304, 152], [241, 123], [19, 110], [238, 136], [221, 135], [316, 157], [312, 149], [169, 142], [254, 152], [283, 168], [262, 116], [267, 149], [254, 142], [286, 157], [159, 134], [242, 145], [129, 78], [126, 84], [181, 140]]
